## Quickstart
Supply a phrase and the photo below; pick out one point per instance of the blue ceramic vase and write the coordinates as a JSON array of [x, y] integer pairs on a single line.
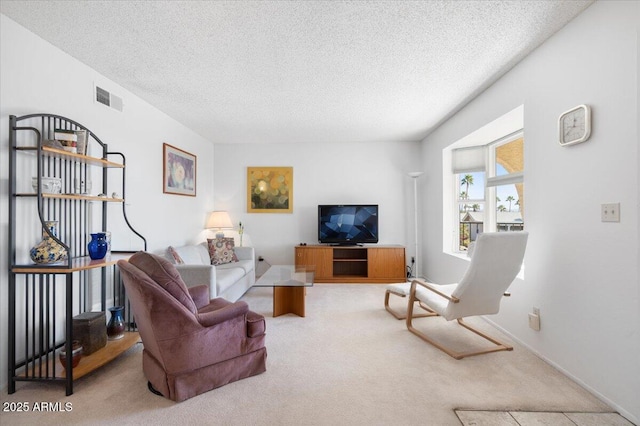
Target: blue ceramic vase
[[98, 246], [115, 327]]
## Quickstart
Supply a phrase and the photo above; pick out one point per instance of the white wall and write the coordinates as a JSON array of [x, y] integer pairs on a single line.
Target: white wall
[[335, 173], [580, 272], [37, 77]]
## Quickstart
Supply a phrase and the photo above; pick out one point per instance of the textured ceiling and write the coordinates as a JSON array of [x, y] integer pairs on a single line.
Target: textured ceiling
[[300, 71]]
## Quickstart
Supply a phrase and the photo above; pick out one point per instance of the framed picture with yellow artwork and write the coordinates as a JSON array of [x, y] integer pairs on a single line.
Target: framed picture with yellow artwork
[[269, 189]]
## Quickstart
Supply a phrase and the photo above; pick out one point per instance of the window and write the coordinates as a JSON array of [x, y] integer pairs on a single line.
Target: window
[[493, 156], [471, 207], [489, 188], [508, 183]]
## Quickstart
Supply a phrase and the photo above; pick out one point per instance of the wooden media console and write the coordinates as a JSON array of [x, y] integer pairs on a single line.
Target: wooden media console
[[353, 264]]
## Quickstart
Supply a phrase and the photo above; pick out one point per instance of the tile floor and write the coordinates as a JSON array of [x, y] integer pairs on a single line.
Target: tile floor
[[539, 418]]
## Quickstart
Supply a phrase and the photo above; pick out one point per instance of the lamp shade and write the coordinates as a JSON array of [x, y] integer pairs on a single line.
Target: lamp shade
[[219, 219]]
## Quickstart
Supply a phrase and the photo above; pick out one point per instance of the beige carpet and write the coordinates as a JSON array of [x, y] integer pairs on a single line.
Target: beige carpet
[[347, 363]]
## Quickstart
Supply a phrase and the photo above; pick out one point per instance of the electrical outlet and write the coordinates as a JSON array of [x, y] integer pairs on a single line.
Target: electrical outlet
[[534, 322], [610, 212], [534, 319]]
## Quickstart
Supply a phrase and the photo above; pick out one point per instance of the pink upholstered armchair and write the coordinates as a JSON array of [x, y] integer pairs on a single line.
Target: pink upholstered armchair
[[191, 344]]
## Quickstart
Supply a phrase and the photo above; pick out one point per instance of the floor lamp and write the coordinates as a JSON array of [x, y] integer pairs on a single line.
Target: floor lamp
[[415, 176]]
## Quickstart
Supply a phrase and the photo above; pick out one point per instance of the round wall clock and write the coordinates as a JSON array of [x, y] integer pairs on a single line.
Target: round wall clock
[[574, 126]]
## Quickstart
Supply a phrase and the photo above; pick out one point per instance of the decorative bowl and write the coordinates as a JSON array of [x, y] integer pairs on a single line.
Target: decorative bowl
[[76, 354], [49, 185]]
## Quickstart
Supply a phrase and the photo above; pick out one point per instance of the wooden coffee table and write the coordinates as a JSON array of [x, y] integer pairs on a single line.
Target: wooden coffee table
[[289, 288]]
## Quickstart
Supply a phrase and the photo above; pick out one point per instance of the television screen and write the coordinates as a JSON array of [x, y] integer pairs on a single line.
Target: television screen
[[348, 224]]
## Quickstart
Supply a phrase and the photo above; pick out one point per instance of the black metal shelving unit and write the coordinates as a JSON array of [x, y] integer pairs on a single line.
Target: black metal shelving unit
[[43, 298]]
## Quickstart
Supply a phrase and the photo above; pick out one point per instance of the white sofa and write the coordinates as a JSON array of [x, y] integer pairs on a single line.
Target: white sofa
[[229, 281]]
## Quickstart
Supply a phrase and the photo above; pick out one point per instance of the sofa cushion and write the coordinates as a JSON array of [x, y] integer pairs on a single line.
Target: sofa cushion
[[197, 254], [227, 277], [174, 257], [221, 251], [166, 275], [246, 265]]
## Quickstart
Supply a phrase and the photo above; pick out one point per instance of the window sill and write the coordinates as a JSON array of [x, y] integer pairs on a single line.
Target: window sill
[[459, 255]]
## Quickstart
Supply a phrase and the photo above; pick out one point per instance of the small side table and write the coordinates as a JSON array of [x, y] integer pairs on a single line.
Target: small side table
[[289, 288]]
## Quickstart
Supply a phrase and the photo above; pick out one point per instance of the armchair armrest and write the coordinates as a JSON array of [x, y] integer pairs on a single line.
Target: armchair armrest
[[195, 275], [432, 288], [245, 253], [200, 295], [221, 315]]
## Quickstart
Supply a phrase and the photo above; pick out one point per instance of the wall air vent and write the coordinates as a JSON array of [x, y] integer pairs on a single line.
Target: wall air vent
[[116, 102], [102, 96], [108, 99]]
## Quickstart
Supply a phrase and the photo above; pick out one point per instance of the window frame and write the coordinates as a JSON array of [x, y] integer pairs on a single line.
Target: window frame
[[505, 124], [491, 182]]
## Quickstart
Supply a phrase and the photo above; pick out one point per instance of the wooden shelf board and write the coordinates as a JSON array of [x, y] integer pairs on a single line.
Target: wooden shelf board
[[56, 153], [76, 197], [96, 360], [350, 260], [350, 279], [84, 197], [77, 264]]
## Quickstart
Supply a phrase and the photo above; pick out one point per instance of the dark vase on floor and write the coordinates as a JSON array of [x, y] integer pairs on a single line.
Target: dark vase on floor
[[76, 355], [98, 246], [115, 327]]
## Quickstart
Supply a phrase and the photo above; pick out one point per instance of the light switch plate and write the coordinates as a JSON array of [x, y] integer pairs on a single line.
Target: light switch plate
[[610, 212]]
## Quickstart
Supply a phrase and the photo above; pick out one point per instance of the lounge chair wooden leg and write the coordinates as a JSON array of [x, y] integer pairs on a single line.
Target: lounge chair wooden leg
[[457, 355], [501, 346], [427, 339], [388, 308]]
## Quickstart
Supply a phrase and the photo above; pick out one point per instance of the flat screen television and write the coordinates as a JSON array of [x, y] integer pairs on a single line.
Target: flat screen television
[[348, 224]]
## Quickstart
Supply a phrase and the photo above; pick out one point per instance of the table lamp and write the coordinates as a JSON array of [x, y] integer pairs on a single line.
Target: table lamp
[[219, 220]]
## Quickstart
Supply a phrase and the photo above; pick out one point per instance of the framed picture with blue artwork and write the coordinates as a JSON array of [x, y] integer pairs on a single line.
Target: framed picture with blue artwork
[[179, 173]]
